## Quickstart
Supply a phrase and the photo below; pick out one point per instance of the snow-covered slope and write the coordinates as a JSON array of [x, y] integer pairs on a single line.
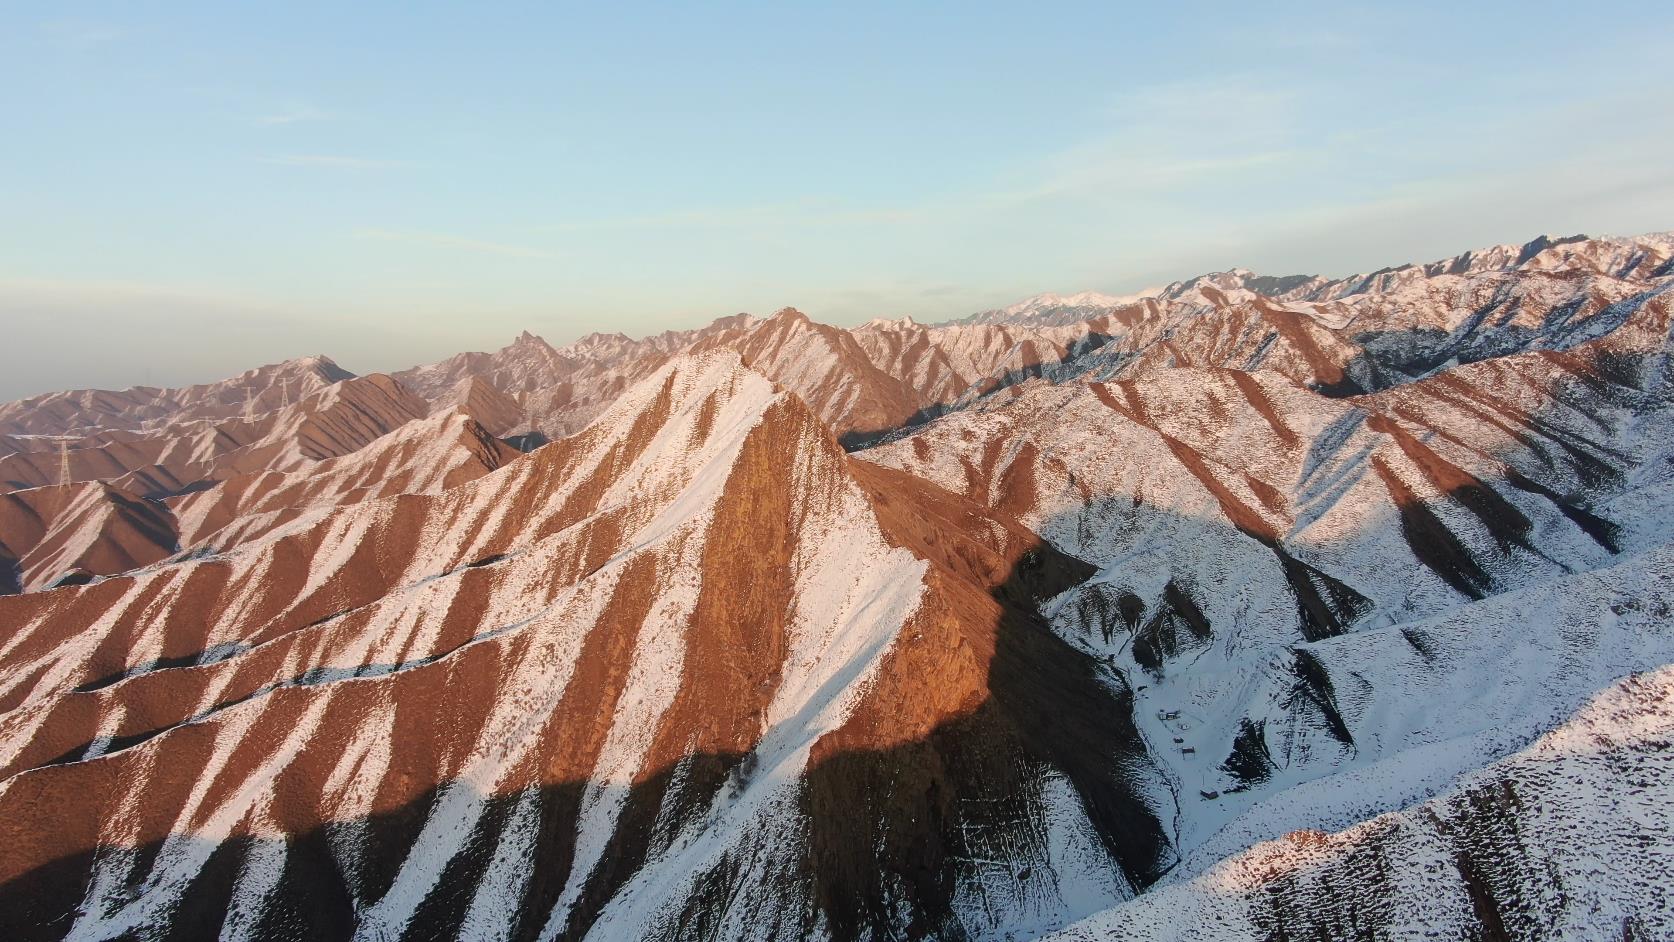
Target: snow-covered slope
[[1290, 581], [425, 456], [1565, 838], [667, 672], [1383, 718]]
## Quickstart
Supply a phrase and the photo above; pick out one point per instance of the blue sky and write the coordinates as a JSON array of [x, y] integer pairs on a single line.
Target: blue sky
[[190, 189]]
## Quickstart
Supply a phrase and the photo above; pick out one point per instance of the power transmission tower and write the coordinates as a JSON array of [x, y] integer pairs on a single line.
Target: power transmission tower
[[249, 404], [63, 461]]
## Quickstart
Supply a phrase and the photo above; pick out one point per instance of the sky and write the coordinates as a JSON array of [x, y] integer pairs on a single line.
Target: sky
[[189, 189]]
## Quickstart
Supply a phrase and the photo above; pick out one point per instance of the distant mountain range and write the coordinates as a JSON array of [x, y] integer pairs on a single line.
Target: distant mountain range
[[1251, 607]]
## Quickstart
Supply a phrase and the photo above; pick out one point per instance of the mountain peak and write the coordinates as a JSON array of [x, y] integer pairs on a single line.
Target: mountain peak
[[903, 322], [741, 319], [1543, 242]]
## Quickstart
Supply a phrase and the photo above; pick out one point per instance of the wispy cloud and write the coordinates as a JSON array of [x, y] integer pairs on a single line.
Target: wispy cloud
[[727, 217], [813, 211], [294, 113], [443, 240], [1171, 134], [1149, 140], [334, 161]]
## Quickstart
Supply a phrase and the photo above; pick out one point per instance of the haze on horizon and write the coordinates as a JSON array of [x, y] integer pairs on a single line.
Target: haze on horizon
[[192, 189]]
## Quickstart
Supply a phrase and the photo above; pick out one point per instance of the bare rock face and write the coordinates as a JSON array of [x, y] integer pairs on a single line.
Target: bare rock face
[[1255, 607]]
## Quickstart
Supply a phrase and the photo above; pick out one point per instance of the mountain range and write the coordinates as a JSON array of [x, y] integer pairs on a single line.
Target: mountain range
[[1248, 607]]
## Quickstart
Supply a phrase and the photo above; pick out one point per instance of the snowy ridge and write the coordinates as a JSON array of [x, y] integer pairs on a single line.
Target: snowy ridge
[[1254, 607], [1347, 336]]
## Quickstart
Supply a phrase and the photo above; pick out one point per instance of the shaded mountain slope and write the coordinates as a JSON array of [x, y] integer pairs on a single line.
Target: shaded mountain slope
[[82, 530], [1245, 526], [1564, 838]]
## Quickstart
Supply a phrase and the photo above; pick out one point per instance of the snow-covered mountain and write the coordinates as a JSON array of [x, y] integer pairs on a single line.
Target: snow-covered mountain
[[336, 419], [559, 390], [695, 647], [145, 407], [1252, 608], [1253, 536], [1054, 310]]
